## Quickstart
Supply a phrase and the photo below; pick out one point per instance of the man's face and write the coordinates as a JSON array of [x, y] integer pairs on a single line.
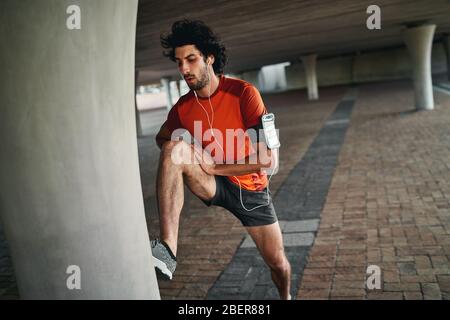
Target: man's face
[[192, 66]]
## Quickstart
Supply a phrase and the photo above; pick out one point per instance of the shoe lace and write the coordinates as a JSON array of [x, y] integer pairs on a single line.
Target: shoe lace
[[154, 243]]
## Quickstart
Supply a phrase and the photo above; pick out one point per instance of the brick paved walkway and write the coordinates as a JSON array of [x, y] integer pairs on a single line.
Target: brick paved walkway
[[388, 203]]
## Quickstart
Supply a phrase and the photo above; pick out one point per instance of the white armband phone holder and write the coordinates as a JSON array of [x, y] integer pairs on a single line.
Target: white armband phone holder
[[270, 132]]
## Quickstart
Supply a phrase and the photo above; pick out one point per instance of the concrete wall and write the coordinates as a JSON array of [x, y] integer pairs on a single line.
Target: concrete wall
[[253, 77], [295, 76], [70, 191], [382, 65], [373, 66], [447, 52], [271, 78], [334, 71]]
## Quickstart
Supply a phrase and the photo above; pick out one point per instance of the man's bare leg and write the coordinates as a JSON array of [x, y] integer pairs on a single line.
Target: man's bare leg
[[269, 241], [170, 190]]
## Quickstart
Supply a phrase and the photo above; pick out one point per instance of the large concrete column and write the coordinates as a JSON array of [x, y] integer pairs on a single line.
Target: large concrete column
[[447, 50], [136, 111], [165, 82], [419, 41], [70, 192], [309, 62]]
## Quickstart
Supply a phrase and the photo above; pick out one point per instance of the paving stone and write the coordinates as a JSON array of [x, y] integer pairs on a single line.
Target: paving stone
[[444, 283], [407, 268], [259, 292], [412, 295], [300, 226], [431, 291], [289, 240], [384, 295]]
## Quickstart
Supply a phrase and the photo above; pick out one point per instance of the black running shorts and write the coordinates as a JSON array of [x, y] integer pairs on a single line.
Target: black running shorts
[[227, 196]]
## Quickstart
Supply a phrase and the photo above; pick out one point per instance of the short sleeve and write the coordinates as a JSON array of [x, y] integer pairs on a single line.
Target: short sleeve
[[173, 120], [252, 106]]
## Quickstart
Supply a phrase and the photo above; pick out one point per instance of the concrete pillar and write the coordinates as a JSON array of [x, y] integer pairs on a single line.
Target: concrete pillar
[[309, 62], [419, 41], [447, 50], [178, 87], [136, 111], [165, 82], [70, 192]]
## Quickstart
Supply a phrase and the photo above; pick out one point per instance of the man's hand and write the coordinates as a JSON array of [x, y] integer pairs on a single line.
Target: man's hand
[[204, 159], [257, 162]]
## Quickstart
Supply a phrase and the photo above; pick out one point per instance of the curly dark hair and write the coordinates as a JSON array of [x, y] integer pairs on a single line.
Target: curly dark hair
[[195, 32]]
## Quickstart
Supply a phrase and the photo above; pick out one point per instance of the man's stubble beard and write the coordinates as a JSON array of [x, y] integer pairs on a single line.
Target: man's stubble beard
[[202, 82]]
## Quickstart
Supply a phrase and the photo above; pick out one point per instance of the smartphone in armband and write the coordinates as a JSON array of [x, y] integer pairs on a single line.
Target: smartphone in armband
[[270, 133]]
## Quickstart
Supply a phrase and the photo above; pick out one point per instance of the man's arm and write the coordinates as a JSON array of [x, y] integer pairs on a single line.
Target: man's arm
[[163, 136], [264, 158], [172, 123]]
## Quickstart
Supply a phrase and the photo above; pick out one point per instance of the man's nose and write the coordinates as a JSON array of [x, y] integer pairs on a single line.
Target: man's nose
[[184, 69]]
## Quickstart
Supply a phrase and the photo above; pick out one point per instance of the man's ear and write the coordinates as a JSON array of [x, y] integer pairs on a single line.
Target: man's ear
[[210, 60]]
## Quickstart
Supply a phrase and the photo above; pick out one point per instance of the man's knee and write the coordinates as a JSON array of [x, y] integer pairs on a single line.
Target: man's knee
[[168, 146], [278, 262], [176, 152]]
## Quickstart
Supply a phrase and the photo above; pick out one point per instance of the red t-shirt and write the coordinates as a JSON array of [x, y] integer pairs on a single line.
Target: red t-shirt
[[237, 105]]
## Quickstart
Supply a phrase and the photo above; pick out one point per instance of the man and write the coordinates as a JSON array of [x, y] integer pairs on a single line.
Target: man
[[218, 104]]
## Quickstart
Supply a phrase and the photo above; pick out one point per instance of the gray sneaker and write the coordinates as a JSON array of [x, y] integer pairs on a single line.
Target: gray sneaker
[[164, 260]]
